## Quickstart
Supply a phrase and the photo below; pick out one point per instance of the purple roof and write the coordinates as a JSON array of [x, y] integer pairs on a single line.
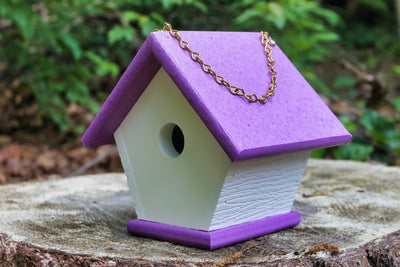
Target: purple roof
[[294, 119]]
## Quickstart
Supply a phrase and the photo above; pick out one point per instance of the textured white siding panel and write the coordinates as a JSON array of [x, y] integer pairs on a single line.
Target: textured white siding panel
[[257, 188]]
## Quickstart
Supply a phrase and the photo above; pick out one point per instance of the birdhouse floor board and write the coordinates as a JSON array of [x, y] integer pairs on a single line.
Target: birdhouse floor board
[[213, 239]]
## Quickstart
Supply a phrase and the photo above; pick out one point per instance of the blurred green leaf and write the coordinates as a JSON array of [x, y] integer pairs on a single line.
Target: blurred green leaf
[[23, 18], [330, 16], [277, 15], [343, 81], [378, 5], [354, 151], [79, 129], [382, 130], [324, 37], [167, 4], [318, 84], [4, 8], [158, 18], [103, 66], [147, 25], [69, 41], [78, 91], [396, 69], [348, 124], [318, 153], [130, 16], [396, 103], [118, 33], [247, 15], [199, 5], [93, 106]]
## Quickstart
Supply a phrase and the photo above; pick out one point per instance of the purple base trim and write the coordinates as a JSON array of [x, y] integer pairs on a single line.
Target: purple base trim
[[213, 239]]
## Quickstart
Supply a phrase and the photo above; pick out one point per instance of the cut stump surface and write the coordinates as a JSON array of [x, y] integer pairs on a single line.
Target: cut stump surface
[[350, 216]]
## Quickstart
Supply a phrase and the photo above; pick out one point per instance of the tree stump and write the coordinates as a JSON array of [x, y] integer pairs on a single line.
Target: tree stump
[[350, 216]]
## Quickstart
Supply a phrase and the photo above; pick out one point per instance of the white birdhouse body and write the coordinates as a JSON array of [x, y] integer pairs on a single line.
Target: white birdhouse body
[[188, 180]]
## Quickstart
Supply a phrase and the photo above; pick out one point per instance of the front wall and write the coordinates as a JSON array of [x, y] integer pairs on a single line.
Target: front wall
[[180, 191]]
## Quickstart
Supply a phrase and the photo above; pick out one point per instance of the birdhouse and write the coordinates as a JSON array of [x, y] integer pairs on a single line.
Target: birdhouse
[[207, 164]]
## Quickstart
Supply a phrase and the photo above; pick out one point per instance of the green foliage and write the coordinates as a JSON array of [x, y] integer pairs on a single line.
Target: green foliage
[[62, 49], [354, 151], [301, 27], [118, 33], [318, 83], [382, 130], [344, 82], [372, 25], [381, 138], [102, 67], [42, 46], [74, 51], [380, 6], [318, 153], [348, 124], [396, 103], [396, 69]]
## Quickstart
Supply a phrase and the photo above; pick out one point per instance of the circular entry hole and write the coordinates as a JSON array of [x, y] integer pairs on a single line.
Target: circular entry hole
[[171, 140]]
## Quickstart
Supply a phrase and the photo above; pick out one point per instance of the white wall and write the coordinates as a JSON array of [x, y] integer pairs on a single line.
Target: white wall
[[183, 190]]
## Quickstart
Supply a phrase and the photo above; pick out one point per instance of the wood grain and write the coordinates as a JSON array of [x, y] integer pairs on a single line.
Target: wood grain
[[81, 221]]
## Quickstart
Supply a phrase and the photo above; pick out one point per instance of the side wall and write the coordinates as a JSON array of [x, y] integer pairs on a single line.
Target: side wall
[[257, 188]]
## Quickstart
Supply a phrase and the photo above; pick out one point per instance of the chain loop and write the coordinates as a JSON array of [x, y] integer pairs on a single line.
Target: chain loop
[[234, 90]]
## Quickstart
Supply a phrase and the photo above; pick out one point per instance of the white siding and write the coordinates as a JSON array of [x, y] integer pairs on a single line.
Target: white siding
[[257, 188]]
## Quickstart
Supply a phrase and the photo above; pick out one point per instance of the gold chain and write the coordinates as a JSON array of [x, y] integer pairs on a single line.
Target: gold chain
[[235, 90]]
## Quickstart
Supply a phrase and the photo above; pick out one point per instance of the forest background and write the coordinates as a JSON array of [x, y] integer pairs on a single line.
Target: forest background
[[59, 60]]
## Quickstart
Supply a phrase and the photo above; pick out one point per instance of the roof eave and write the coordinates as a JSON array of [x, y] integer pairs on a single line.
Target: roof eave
[[294, 147], [122, 98]]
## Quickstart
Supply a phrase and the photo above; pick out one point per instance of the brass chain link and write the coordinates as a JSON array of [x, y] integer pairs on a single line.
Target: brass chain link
[[235, 90]]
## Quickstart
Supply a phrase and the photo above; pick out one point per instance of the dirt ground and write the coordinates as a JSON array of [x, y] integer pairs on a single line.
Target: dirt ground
[[32, 148]]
